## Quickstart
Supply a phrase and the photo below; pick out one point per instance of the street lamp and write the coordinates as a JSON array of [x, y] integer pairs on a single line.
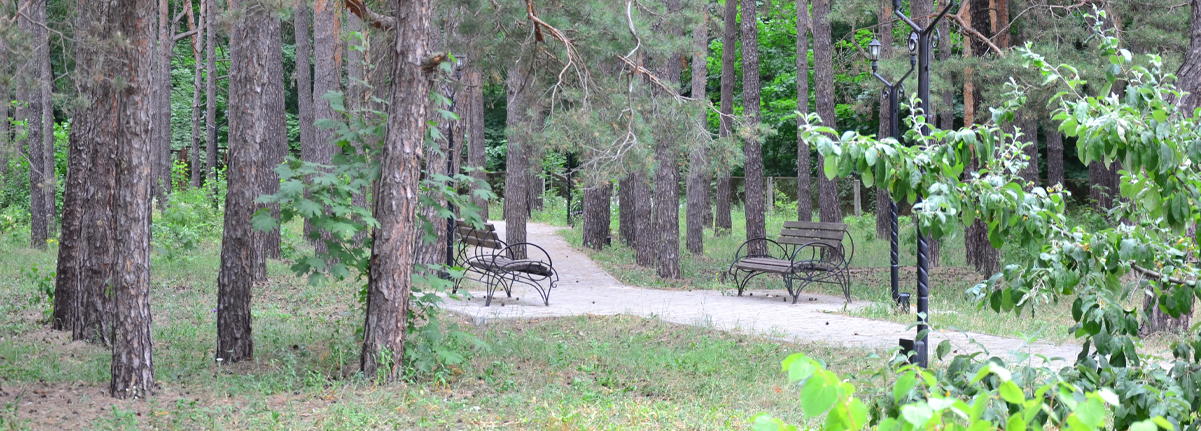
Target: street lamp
[[893, 92], [924, 46]]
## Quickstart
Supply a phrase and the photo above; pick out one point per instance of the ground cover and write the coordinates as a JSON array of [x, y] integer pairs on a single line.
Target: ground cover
[[952, 307], [570, 373]]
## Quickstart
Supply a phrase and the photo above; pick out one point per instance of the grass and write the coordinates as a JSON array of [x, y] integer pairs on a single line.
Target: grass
[[571, 373], [951, 308]]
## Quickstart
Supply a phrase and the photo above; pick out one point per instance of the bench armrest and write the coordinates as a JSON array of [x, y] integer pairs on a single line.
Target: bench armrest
[[821, 247]]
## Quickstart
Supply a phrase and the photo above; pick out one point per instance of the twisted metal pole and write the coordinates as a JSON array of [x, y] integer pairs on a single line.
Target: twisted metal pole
[[924, 49]]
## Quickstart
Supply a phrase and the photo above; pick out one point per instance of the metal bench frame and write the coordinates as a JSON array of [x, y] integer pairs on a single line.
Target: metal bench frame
[[489, 260], [805, 252]]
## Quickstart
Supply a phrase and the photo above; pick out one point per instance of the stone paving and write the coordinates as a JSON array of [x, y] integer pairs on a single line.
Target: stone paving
[[585, 288]]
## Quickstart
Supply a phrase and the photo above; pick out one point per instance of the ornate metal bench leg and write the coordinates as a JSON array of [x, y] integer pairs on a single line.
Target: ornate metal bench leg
[[788, 285], [491, 286]]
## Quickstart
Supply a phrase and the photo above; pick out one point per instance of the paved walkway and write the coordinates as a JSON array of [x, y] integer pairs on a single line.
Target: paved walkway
[[585, 288]]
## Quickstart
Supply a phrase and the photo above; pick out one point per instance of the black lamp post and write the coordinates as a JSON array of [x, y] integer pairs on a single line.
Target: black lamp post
[[893, 92], [924, 48]]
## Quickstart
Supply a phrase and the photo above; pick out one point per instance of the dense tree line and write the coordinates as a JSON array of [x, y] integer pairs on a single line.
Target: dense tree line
[[644, 97]]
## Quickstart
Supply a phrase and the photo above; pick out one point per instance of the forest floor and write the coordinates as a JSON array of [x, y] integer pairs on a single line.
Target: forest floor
[[584, 372]]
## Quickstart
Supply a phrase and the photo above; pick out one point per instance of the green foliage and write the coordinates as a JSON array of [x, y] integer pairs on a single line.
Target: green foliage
[[43, 281], [967, 396], [1156, 146], [187, 221]]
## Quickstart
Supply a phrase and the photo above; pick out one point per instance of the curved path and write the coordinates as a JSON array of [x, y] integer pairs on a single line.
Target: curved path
[[585, 288]]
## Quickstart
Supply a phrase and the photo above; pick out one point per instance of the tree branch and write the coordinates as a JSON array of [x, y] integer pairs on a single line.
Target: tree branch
[[184, 35], [971, 31], [1161, 276], [377, 20]]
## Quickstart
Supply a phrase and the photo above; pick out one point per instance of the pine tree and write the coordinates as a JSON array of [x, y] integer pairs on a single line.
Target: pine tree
[[804, 205], [698, 176], [753, 165], [721, 220], [824, 85]]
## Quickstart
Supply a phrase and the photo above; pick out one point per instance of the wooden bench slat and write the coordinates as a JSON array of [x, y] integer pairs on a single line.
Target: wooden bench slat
[[814, 225], [481, 242], [464, 225], [810, 233], [762, 268], [807, 241]]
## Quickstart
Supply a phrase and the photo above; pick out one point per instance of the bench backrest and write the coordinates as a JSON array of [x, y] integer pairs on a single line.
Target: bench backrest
[[796, 233], [485, 237]]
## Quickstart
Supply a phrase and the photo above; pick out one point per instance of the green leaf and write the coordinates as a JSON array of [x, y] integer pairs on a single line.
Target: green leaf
[[944, 347], [1144, 425], [1091, 413], [1011, 393], [1015, 423], [904, 384], [818, 395], [917, 414]]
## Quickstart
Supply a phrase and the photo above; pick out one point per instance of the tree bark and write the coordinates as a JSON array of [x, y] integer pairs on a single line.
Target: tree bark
[[133, 362], [596, 215], [1189, 75], [49, 171], [5, 129], [29, 85], [197, 25], [823, 59], [389, 282], [644, 237], [667, 170], [162, 110], [275, 148], [520, 86], [249, 134], [210, 97], [883, 198], [433, 253], [476, 150], [722, 224], [627, 207], [87, 252], [751, 147], [804, 204], [304, 79], [698, 174], [1054, 157], [327, 77], [1104, 185]]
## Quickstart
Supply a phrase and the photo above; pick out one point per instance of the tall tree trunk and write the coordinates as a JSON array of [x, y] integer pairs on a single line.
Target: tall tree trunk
[[883, 198], [49, 171], [979, 250], [520, 122], [756, 223], [133, 362], [698, 173], [1054, 157], [627, 228], [804, 203], [197, 25], [327, 77], [1104, 185], [304, 79], [721, 220], [476, 151], [162, 111], [389, 283], [823, 59], [275, 148], [667, 170], [210, 96], [249, 134], [1189, 75], [433, 253], [87, 252], [29, 85], [5, 130], [72, 251], [644, 236], [596, 215]]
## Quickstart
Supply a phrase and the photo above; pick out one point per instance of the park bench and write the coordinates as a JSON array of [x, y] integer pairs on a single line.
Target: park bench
[[804, 253], [491, 262]]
